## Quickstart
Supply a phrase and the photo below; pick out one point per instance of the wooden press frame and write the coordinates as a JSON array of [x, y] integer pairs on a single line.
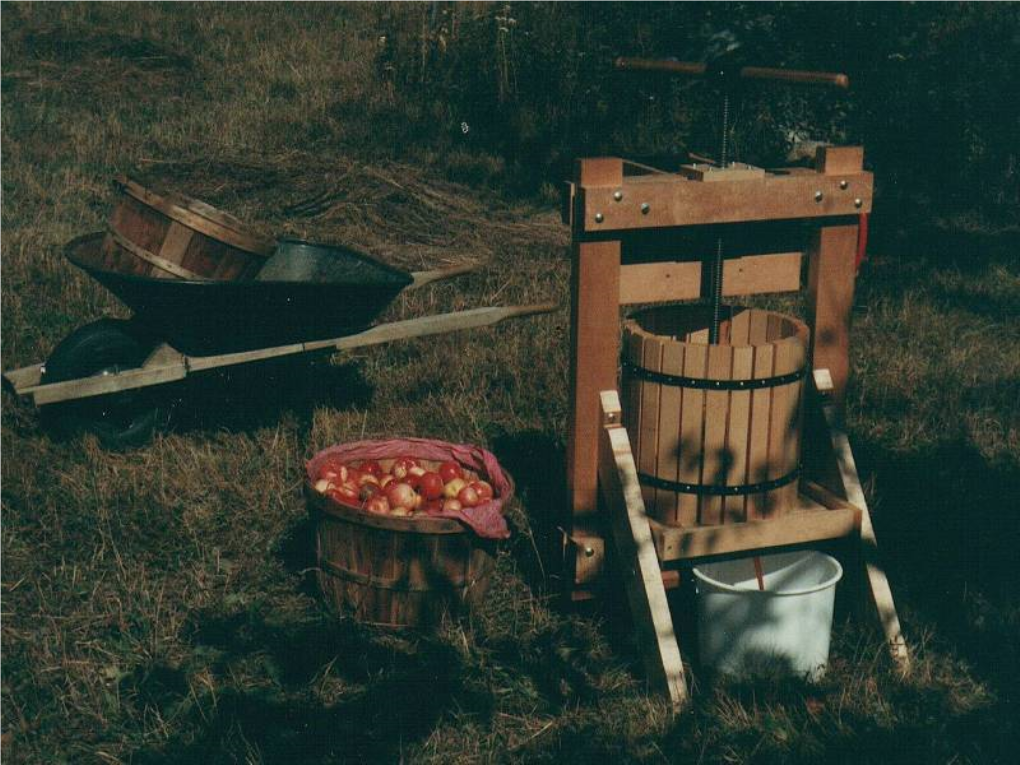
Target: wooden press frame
[[612, 202]]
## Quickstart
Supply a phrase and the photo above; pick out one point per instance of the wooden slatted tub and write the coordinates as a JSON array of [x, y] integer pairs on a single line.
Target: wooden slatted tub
[[394, 571], [171, 236], [715, 428]]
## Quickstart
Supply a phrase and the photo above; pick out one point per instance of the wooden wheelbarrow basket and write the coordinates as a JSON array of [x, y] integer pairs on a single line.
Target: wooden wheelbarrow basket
[[177, 325]]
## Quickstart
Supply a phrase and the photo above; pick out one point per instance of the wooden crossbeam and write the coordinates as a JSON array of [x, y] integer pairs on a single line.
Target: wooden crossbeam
[[676, 280], [635, 550], [655, 201], [810, 522]]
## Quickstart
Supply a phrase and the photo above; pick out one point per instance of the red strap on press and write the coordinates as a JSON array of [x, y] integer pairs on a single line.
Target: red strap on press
[[862, 242]]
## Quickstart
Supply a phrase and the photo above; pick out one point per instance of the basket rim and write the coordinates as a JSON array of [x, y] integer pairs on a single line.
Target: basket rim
[[200, 216], [632, 325], [420, 524], [414, 525]]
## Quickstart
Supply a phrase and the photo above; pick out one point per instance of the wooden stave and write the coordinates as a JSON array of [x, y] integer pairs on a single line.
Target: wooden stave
[[456, 569], [454, 553]]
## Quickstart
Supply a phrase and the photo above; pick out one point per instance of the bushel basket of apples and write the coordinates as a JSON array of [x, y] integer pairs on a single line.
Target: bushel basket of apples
[[406, 528]]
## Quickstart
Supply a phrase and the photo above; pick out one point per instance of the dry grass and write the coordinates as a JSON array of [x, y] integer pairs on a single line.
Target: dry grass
[[156, 605]]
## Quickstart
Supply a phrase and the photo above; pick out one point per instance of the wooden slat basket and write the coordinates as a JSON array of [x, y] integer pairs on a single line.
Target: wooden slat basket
[[170, 236], [398, 572], [715, 428]]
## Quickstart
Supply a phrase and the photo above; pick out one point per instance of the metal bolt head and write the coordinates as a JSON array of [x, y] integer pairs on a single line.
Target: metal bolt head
[[858, 202], [843, 185], [645, 207], [589, 552], [819, 196], [599, 217], [617, 195]]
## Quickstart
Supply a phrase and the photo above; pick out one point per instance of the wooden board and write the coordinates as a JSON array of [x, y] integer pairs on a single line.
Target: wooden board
[[807, 522], [839, 160], [761, 412], [735, 171], [691, 431], [831, 275], [594, 346], [648, 448], [636, 553], [667, 507], [677, 201], [735, 508], [715, 462], [747, 275]]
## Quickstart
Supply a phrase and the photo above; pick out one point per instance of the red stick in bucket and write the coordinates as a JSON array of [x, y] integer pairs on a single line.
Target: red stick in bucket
[[759, 574]]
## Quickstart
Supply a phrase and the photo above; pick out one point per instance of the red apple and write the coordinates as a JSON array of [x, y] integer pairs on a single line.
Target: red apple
[[450, 470], [453, 487], [413, 481], [386, 480], [346, 494], [371, 466], [468, 496], [333, 468], [484, 489], [402, 467], [378, 505], [431, 486], [401, 494]]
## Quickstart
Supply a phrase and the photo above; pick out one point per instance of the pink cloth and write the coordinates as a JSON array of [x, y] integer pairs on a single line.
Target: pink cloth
[[486, 520]]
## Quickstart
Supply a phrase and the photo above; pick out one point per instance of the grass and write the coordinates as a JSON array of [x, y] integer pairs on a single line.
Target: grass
[[156, 603]]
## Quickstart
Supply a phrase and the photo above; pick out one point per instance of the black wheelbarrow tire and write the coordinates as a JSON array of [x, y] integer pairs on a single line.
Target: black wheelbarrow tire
[[119, 420]]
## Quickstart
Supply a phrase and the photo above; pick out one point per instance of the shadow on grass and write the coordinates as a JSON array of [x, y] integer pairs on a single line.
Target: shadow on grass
[[535, 460], [247, 397], [947, 529], [315, 690]]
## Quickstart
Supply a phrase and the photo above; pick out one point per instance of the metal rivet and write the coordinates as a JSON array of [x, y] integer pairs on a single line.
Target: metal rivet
[[645, 207], [843, 185], [589, 552], [819, 196], [599, 217], [617, 195], [858, 202]]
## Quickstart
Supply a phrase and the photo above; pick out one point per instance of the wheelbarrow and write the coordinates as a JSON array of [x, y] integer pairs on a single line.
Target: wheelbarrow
[[307, 298]]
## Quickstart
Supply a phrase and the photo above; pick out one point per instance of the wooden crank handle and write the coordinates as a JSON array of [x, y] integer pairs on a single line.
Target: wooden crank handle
[[798, 76], [692, 68]]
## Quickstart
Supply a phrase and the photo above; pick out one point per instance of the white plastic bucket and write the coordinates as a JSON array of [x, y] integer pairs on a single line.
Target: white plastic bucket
[[787, 627]]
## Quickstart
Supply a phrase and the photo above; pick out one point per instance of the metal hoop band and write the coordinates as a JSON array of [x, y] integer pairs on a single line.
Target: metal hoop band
[[701, 383], [719, 491]]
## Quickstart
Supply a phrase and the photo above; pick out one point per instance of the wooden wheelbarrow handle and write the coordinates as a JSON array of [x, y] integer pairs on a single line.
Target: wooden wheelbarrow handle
[[421, 278], [695, 69]]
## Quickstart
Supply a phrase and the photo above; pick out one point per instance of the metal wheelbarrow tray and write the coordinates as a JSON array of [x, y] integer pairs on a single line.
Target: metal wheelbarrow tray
[[181, 327]]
